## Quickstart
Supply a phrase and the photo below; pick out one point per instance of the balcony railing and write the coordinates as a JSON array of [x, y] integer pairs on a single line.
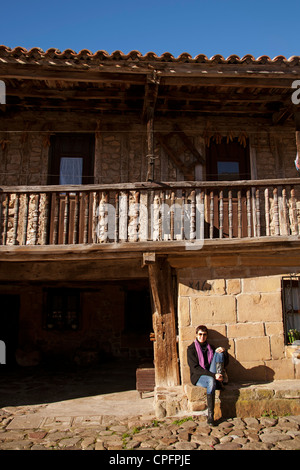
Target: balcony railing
[[139, 212]]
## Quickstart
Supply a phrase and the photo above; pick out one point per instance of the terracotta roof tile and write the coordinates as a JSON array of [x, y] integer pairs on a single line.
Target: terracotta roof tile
[[37, 54]]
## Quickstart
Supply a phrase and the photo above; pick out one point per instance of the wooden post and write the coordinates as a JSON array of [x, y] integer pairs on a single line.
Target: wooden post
[[165, 349], [150, 144], [298, 142]]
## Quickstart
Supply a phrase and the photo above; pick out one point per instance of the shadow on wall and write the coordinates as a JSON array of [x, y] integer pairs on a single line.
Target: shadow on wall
[[237, 373], [240, 378]]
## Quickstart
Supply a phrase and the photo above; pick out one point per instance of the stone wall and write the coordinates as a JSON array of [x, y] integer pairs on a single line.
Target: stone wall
[[121, 154], [243, 314]]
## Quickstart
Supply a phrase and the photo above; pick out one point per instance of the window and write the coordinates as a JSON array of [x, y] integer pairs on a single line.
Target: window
[[291, 307], [228, 161], [71, 159], [62, 309]]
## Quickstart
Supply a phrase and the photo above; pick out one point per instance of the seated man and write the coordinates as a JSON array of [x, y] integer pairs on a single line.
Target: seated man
[[207, 367]]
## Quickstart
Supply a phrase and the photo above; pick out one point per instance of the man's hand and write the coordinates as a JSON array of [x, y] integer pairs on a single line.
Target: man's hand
[[219, 377], [220, 350]]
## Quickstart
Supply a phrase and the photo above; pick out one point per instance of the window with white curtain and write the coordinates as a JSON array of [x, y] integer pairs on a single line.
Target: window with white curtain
[[70, 171]]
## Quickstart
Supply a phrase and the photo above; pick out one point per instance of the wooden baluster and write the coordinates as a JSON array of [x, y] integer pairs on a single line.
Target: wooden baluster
[[257, 213], [248, 213], [66, 220], [193, 216], [5, 222], [285, 228], [123, 216], [117, 217], [136, 216], [221, 214], [46, 219], [76, 219], [86, 218], [294, 221], [162, 215], [105, 215], [276, 215], [239, 210], [183, 202], [25, 221], [202, 215], [95, 217], [211, 215], [55, 219], [230, 224], [35, 226], [172, 215], [16, 219], [267, 212]]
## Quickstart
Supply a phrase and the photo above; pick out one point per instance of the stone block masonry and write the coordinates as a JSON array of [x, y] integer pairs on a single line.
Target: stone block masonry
[[243, 314]]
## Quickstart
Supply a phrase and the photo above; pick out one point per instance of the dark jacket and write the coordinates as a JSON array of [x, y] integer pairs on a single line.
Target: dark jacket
[[195, 369]]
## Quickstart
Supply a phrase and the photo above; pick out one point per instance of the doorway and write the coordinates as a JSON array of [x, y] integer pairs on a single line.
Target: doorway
[[228, 161], [9, 325]]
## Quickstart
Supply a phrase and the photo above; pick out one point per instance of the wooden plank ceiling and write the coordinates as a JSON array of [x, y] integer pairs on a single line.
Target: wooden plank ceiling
[[135, 84]]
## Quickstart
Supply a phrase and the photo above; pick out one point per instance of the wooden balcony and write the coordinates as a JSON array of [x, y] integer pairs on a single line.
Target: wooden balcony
[[150, 212]]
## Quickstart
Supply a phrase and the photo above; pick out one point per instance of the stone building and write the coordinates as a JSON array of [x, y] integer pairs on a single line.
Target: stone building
[[142, 196]]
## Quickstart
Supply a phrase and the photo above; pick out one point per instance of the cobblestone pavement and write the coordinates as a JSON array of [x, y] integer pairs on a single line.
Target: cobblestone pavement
[[32, 432]]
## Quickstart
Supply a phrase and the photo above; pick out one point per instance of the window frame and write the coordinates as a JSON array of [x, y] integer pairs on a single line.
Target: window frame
[[287, 284], [71, 145], [49, 321]]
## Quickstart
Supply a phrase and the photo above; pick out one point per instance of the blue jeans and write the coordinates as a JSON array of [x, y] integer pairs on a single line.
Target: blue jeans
[[207, 381]]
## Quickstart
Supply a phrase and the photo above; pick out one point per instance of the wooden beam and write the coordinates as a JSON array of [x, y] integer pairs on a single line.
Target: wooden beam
[[187, 172], [189, 145], [165, 349]]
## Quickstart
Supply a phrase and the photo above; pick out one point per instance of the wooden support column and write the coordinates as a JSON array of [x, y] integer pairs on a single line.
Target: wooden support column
[[298, 142], [151, 92], [165, 348], [150, 144]]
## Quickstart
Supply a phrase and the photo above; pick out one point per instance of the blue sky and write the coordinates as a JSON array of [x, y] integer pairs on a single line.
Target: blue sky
[[257, 27]]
